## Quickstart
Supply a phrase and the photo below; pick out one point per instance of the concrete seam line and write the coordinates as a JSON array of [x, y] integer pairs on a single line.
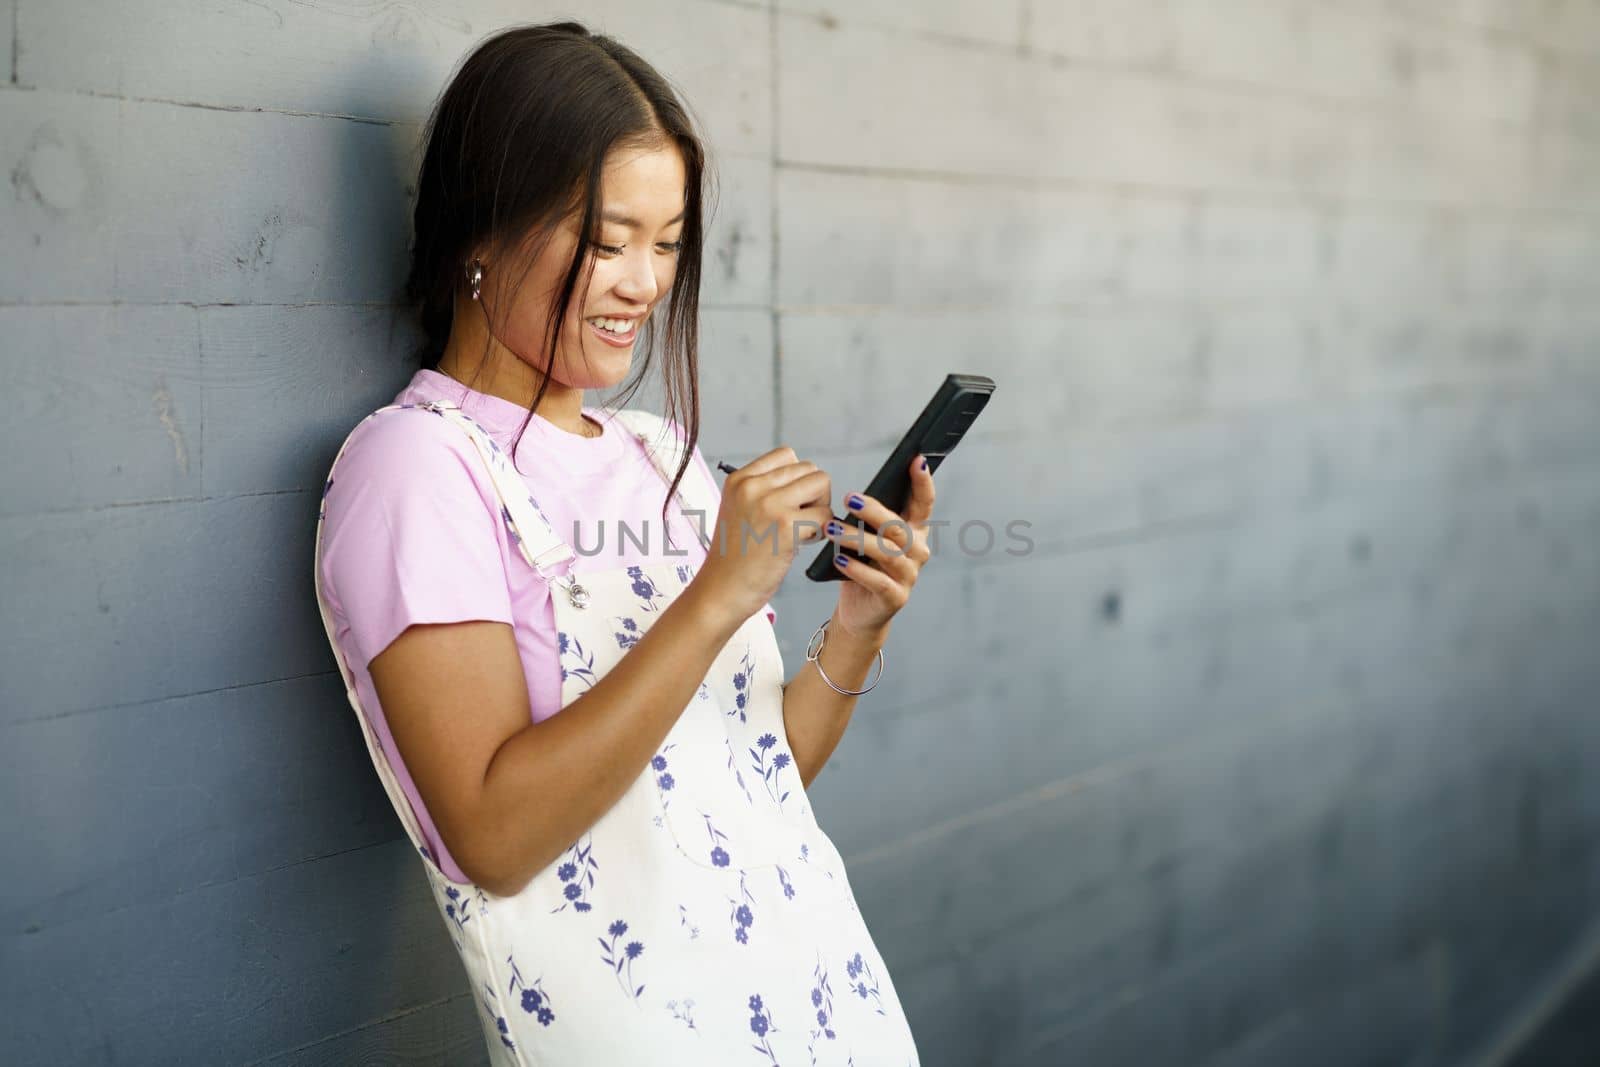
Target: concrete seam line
[[1529, 1018]]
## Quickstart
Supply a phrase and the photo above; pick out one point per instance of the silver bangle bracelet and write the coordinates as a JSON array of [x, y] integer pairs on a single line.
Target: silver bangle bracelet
[[813, 654]]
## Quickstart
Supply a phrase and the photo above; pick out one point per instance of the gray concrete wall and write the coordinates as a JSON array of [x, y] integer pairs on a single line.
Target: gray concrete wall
[[1278, 746]]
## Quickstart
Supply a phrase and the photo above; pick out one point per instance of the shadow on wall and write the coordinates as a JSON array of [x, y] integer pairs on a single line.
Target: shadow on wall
[[370, 361]]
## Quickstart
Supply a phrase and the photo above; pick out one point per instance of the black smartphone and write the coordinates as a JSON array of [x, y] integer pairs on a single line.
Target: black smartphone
[[935, 434]]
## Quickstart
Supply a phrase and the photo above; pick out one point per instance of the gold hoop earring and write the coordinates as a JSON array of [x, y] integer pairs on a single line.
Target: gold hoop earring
[[475, 278]]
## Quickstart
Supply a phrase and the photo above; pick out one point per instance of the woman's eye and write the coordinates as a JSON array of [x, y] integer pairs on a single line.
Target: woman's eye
[[671, 248]]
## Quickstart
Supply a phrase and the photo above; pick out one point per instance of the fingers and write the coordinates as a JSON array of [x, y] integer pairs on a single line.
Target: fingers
[[801, 485], [789, 494], [891, 591], [765, 462], [798, 488], [790, 500], [778, 470], [810, 522], [903, 531], [920, 506], [898, 559], [895, 546]]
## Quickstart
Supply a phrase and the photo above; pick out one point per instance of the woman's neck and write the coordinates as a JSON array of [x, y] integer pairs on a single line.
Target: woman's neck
[[498, 372]]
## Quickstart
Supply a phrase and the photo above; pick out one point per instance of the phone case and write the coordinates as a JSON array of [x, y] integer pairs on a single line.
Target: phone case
[[954, 407]]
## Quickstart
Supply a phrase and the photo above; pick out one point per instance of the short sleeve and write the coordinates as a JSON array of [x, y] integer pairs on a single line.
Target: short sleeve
[[412, 532], [716, 493]]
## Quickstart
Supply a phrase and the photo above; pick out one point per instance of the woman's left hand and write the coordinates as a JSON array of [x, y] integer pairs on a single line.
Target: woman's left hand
[[896, 547]]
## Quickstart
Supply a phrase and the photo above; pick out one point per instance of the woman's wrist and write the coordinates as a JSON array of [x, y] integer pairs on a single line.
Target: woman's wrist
[[845, 658], [719, 613], [873, 638]]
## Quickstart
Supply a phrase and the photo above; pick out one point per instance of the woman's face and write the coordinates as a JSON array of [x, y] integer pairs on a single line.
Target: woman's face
[[642, 206]]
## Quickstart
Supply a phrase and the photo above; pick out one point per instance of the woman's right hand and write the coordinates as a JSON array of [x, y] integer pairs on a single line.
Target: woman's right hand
[[770, 507]]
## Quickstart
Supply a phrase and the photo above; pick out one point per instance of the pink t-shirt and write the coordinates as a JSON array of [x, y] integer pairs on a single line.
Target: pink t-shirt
[[413, 534]]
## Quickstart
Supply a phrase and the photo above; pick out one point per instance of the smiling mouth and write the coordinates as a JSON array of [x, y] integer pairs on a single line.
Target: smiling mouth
[[615, 329]]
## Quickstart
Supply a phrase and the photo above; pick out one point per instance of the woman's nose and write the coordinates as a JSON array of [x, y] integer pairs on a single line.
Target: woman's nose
[[639, 281]]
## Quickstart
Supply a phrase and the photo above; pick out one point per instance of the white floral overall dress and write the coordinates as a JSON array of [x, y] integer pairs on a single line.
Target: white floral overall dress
[[705, 919]]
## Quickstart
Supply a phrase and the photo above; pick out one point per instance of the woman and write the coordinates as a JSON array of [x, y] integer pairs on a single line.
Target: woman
[[639, 877]]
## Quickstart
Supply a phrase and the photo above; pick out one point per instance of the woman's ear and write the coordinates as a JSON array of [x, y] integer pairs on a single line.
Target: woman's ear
[[478, 253]]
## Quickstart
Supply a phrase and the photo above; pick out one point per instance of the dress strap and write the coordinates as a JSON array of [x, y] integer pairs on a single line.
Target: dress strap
[[665, 450], [525, 521], [380, 759]]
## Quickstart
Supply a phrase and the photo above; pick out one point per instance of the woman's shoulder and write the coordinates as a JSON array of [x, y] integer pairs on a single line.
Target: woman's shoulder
[[407, 432], [408, 481], [654, 428], [405, 449], [658, 432]]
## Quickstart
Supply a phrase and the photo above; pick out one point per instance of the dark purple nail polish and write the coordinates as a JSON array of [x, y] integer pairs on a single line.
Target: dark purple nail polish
[[835, 528], [855, 502], [841, 561], [924, 464]]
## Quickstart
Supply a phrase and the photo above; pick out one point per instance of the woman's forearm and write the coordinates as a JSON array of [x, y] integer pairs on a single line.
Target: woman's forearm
[[552, 780], [814, 715]]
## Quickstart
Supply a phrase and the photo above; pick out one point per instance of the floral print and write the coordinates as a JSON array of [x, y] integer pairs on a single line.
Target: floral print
[[576, 873], [455, 910], [664, 780], [741, 918], [574, 661], [511, 525], [645, 590], [627, 632], [805, 857], [822, 1003], [535, 1001], [458, 910], [742, 681], [719, 855], [762, 1026], [683, 921], [683, 1011], [737, 777], [502, 1028], [769, 773], [622, 962], [865, 985]]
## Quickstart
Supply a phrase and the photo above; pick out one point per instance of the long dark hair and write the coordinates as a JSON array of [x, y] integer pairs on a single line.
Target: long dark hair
[[515, 144]]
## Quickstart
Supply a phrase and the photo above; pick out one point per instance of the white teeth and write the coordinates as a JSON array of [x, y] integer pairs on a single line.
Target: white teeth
[[620, 326]]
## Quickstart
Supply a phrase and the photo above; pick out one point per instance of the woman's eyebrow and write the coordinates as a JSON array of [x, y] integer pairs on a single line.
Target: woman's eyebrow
[[633, 223]]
